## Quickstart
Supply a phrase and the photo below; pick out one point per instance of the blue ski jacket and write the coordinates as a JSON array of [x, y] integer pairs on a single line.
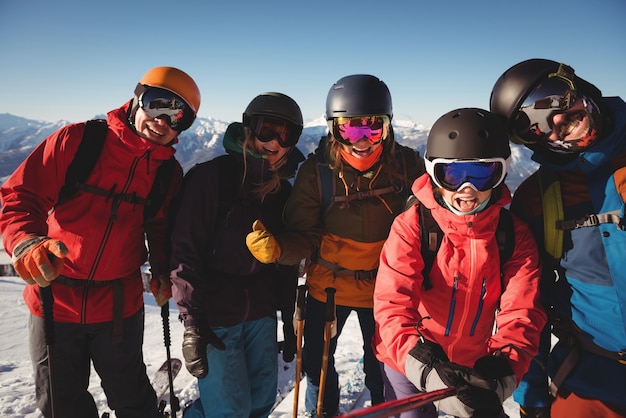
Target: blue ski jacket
[[590, 291]]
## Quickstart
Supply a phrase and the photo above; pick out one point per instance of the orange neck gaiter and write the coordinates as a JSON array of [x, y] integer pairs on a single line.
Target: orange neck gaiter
[[362, 164]]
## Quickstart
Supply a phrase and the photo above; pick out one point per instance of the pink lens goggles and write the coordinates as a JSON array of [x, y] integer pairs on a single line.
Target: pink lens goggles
[[351, 130]]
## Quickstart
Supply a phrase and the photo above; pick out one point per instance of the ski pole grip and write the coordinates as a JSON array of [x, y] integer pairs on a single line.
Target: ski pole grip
[[300, 311], [330, 304], [165, 314], [47, 303]]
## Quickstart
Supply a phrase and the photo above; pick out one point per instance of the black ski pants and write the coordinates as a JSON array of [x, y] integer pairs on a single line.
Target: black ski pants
[[120, 367]]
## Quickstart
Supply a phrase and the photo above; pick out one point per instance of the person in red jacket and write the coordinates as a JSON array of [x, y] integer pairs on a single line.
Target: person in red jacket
[[86, 251], [438, 333]]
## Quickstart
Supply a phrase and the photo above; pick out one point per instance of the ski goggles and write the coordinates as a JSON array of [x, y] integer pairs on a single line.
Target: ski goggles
[[266, 128], [480, 174], [555, 94], [353, 129], [167, 105]]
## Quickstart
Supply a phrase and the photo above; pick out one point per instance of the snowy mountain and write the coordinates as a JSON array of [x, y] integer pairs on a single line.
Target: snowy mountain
[[203, 141]]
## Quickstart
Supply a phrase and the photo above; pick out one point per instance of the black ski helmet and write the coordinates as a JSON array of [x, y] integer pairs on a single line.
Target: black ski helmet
[[358, 95], [516, 83], [466, 134], [274, 104]]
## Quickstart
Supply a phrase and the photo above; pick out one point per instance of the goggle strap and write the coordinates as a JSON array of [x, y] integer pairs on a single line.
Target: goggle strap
[[566, 73]]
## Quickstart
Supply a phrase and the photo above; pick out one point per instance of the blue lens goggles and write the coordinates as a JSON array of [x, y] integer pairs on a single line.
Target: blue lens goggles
[[481, 174]]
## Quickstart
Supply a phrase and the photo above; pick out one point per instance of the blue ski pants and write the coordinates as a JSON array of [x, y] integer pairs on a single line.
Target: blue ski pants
[[242, 379]]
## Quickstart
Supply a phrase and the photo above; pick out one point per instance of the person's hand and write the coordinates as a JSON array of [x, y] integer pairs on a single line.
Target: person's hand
[[421, 360], [262, 243], [195, 350], [161, 288], [475, 396], [534, 412], [39, 260], [497, 370], [289, 344], [428, 368]]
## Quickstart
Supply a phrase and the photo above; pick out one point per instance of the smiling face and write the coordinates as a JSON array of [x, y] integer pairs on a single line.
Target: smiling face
[[155, 130], [466, 199], [361, 149], [271, 149]]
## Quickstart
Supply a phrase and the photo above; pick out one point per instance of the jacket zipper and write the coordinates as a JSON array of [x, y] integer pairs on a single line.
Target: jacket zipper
[[481, 302], [452, 305], [114, 207]]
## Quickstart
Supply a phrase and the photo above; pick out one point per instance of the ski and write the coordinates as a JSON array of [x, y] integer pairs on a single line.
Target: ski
[[160, 381]]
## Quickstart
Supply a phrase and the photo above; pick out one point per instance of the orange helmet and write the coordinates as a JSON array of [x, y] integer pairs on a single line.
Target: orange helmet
[[176, 81]]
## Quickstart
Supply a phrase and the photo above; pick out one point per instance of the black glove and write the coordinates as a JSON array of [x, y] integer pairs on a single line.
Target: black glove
[[195, 350], [289, 345], [533, 412], [497, 370], [428, 368]]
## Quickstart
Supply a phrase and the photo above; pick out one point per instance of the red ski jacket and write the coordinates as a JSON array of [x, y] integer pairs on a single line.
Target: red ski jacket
[[467, 298], [105, 235]]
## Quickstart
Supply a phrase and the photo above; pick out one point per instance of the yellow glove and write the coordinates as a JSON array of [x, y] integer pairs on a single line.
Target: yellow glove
[[262, 243], [161, 288], [39, 260]]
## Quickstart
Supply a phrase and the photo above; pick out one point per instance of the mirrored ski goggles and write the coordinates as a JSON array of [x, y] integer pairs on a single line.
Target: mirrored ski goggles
[[481, 174], [266, 128], [164, 104], [351, 130], [555, 94]]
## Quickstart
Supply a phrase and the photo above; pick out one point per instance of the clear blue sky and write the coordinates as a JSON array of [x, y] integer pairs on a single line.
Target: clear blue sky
[[72, 60]]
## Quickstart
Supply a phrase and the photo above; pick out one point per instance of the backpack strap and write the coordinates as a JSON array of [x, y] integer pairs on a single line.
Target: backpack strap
[[159, 189], [553, 212], [86, 157], [328, 188]]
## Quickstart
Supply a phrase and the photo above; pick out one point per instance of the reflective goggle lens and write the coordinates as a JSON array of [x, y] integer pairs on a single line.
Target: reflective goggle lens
[[161, 103], [352, 130], [483, 175], [267, 128], [533, 122]]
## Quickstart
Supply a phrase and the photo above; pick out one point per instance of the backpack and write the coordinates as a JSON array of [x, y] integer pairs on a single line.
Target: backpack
[[432, 235], [327, 186], [85, 159]]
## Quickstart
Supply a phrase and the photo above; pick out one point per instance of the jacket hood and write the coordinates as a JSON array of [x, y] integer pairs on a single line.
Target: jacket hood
[[601, 152]]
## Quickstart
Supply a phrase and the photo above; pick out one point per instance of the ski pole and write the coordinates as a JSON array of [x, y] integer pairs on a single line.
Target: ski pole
[[298, 316], [47, 301], [389, 408], [328, 333], [165, 314]]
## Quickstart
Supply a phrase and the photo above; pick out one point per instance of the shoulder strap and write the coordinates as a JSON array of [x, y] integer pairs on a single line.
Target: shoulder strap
[[159, 189], [325, 178], [505, 236], [553, 212], [430, 236], [327, 186], [86, 157]]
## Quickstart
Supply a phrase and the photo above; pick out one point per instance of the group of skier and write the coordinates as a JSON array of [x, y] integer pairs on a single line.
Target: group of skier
[[451, 289]]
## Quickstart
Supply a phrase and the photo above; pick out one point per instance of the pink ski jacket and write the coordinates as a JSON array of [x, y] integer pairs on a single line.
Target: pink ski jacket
[[470, 311]]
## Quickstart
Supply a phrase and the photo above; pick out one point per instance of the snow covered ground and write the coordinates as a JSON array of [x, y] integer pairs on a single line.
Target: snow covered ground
[[17, 397]]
